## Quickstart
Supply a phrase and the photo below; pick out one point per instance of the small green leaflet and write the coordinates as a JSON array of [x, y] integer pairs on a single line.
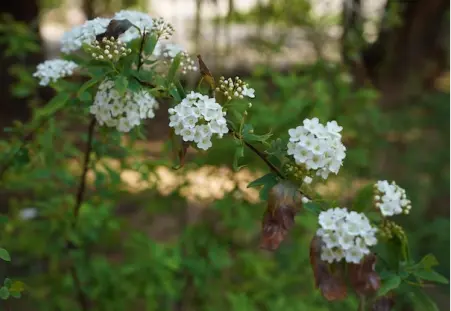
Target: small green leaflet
[[248, 134], [4, 255], [313, 207], [391, 282], [268, 181], [173, 69], [421, 301], [239, 153], [431, 275], [4, 293], [81, 94], [149, 46], [121, 84]]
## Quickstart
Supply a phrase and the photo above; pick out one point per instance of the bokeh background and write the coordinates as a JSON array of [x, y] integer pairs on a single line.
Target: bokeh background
[[158, 239]]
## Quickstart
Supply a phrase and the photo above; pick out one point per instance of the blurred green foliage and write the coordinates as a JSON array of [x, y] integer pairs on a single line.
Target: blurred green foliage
[[212, 264]]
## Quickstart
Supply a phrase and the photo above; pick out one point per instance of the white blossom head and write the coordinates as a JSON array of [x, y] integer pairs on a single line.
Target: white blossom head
[[122, 112], [53, 70], [139, 19], [73, 39], [345, 235], [317, 147], [391, 199], [197, 118]]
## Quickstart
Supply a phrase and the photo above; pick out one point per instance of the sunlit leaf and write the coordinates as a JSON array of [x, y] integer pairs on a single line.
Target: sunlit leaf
[[4, 255]]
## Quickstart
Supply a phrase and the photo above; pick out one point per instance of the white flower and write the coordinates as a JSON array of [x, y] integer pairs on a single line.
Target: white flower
[[345, 235], [52, 70], [391, 199], [123, 112], [197, 118], [317, 147], [141, 20], [73, 39], [28, 213], [249, 92], [305, 200], [308, 180]]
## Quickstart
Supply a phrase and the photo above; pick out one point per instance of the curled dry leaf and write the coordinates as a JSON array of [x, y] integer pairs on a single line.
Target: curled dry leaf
[[385, 303], [363, 277], [284, 201], [205, 72], [331, 284], [115, 28]]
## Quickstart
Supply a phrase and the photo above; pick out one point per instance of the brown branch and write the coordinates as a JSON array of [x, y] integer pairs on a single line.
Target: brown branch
[[141, 50], [81, 296], [265, 159]]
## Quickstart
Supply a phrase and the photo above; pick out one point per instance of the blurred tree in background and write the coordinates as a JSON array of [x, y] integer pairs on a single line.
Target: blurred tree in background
[[156, 239]]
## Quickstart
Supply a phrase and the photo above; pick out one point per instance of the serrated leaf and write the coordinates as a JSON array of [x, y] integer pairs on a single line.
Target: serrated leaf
[[392, 282], [363, 200], [4, 293], [121, 84], [4, 255], [432, 276]]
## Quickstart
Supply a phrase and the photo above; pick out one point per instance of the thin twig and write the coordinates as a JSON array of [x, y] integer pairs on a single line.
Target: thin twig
[[81, 296], [261, 156], [82, 186]]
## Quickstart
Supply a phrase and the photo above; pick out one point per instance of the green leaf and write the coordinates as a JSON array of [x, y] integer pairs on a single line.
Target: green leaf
[[4, 255], [4, 293], [3, 219], [85, 87], [149, 45], [180, 89], [363, 201], [7, 283], [388, 284], [55, 104], [313, 207], [428, 261], [239, 153], [432, 276], [173, 69], [248, 134], [421, 301], [175, 94], [121, 84], [265, 179]]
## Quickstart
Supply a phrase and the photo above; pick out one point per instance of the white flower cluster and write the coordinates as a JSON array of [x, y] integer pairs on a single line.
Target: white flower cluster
[[73, 39], [141, 20], [170, 50], [391, 199], [197, 118], [123, 112], [52, 70], [318, 147], [346, 235]]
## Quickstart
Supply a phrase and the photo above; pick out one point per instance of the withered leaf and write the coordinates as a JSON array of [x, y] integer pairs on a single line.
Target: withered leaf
[[115, 28], [385, 303], [205, 72], [179, 149], [331, 285], [284, 201], [363, 277]]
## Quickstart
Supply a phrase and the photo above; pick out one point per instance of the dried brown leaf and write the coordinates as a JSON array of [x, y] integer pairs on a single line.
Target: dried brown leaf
[[115, 28], [385, 303], [179, 149], [331, 285], [283, 203], [363, 277], [205, 72]]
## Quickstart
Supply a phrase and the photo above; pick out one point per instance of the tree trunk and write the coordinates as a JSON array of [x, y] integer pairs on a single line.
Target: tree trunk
[[406, 59], [13, 108]]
